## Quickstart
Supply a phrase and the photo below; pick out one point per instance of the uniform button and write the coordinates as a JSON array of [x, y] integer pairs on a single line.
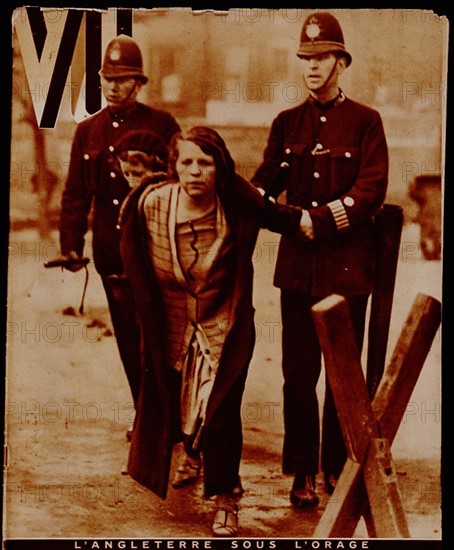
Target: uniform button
[[349, 201], [319, 146], [86, 156], [116, 202], [348, 154], [314, 203], [111, 148], [113, 175], [288, 151], [118, 226], [115, 124], [316, 175], [284, 165], [323, 118]]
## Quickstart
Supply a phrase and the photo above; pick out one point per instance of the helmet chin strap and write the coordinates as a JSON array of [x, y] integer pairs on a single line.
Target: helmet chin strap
[[126, 101], [133, 89], [328, 78]]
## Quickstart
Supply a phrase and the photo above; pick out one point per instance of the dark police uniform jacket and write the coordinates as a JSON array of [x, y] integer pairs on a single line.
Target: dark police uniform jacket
[[333, 161], [92, 173]]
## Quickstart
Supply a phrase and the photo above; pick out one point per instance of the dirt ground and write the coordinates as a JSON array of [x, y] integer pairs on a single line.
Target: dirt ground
[[68, 407]]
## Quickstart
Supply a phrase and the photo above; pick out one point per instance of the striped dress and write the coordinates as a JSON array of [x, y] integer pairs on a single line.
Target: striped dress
[[193, 262]]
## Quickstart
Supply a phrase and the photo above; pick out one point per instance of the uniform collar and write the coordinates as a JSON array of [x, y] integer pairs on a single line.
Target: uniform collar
[[340, 98], [122, 114]]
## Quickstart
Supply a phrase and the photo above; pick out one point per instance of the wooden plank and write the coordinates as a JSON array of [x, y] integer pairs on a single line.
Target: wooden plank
[[397, 385], [406, 364], [383, 492], [350, 494], [357, 419], [343, 362], [388, 223], [336, 513]]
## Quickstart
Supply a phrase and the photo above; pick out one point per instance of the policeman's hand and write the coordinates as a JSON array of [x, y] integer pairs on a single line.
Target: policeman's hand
[[73, 267], [306, 229]]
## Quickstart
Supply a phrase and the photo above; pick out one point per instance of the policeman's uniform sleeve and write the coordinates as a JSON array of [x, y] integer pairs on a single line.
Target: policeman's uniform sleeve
[[366, 195], [279, 218], [76, 201], [267, 175]]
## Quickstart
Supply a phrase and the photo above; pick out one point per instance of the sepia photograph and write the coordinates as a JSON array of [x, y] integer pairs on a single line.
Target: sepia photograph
[[224, 280]]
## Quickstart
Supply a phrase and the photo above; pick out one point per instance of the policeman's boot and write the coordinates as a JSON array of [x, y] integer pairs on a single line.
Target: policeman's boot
[[303, 493]]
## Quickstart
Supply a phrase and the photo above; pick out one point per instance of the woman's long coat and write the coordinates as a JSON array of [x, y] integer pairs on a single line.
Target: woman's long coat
[[157, 416]]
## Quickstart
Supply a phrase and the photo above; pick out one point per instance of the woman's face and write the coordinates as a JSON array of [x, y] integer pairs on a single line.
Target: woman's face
[[196, 171], [134, 172]]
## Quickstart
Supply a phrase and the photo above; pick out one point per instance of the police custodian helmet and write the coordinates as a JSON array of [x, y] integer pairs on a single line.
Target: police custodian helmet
[[123, 59], [321, 33]]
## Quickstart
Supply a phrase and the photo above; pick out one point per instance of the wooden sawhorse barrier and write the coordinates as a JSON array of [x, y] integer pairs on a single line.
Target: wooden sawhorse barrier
[[368, 483]]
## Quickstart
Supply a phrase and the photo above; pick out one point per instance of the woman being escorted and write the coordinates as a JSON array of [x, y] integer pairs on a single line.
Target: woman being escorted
[[187, 249]]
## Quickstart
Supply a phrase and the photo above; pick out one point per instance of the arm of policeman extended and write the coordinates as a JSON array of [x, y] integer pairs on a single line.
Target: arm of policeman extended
[[272, 176], [279, 218]]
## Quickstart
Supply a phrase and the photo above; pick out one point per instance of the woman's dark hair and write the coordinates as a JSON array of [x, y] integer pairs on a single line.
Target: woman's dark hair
[[211, 144]]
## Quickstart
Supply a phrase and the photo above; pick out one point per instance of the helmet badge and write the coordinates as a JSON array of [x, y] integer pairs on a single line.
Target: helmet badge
[[115, 53], [312, 29]]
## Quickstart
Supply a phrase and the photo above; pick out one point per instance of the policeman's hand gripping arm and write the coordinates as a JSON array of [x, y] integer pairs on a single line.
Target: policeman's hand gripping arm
[[306, 229]]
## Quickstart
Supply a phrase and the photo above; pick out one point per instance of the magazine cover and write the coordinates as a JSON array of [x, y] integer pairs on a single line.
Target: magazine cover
[[224, 282]]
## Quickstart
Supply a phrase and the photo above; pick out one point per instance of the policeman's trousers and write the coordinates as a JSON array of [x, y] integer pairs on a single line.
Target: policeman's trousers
[[126, 328], [301, 364]]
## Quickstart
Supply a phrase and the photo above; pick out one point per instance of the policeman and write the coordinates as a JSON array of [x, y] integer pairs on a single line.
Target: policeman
[[95, 179], [330, 155]]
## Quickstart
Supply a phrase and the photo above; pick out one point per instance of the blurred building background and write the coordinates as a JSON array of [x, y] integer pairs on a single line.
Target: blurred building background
[[236, 72]]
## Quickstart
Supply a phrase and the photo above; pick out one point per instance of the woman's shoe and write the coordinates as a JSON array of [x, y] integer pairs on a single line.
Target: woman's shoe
[[225, 522], [303, 493], [187, 472]]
